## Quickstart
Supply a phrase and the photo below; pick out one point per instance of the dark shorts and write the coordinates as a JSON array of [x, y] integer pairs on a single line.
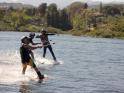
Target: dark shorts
[[30, 62]]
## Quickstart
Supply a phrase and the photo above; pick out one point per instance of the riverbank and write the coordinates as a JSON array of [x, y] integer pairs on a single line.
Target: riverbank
[[98, 33], [106, 24], [102, 32], [95, 33]]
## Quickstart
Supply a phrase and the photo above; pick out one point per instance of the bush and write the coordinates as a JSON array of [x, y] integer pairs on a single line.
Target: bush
[[105, 33], [6, 27], [116, 24], [30, 28], [76, 33], [54, 30]]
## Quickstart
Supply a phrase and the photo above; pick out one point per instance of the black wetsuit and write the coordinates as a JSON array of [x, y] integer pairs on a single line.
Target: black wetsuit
[[46, 43], [25, 55]]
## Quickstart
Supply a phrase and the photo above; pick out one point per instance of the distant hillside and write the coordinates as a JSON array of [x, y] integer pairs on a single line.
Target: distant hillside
[[118, 5], [15, 5], [95, 4]]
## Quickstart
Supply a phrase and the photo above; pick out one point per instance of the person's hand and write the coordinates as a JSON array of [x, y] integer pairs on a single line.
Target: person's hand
[[39, 46], [53, 43], [38, 43]]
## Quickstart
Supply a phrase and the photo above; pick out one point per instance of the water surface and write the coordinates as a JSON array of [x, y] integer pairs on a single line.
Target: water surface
[[90, 65]]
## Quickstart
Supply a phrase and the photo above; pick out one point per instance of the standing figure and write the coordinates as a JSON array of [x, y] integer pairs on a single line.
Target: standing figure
[[26, 52], [46, 43]]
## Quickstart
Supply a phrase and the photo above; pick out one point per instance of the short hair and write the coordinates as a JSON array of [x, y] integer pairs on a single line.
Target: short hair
[[32, 34], [22, 40]]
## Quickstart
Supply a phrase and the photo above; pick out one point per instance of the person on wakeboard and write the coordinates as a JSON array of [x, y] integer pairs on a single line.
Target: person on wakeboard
[[46, 43], [25, 52]]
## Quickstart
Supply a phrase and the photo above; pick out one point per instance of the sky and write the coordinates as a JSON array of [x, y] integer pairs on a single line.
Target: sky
[[60, 3]]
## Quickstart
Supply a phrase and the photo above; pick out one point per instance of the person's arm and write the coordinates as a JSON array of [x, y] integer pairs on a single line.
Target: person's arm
[[31, 41], [35, 43], [32, 47], [38, 36], [50, 34]]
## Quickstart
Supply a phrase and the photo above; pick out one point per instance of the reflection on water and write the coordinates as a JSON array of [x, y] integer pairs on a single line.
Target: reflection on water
[[24, 88]]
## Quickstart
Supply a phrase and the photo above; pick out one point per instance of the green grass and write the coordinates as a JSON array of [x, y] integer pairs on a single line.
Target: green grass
[[98, 33]]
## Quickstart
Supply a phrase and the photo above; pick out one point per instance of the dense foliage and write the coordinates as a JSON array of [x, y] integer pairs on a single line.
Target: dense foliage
[[78, 19]]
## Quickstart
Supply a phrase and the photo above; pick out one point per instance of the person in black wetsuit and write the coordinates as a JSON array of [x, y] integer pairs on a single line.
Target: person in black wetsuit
[[26, 52], [46, 43]]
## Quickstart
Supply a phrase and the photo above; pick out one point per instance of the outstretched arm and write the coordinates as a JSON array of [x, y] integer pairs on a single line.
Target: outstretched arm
[[35, 43], [38, 36], [50, 34], [31, 41], [32, 47]]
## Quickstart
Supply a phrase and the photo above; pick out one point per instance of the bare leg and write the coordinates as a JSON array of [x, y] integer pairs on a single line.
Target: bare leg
[[40, 76], [39, 73], [24, 68]]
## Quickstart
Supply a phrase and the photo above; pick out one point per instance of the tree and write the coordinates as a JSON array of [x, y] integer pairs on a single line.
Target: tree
[[64, 21], [30, 11], [85, 6], [52, 7], [53, 15], [2, 13], [76, 7], [111, 10], [101, 7], [42, 9]]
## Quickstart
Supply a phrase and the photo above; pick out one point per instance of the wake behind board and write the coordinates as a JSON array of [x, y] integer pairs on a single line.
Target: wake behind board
[[48, 62]]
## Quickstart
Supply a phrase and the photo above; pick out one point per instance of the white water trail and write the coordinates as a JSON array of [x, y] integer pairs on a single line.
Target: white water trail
[[10, 67]]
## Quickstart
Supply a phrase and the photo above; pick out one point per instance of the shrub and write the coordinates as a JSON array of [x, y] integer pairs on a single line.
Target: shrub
[[54, 30]]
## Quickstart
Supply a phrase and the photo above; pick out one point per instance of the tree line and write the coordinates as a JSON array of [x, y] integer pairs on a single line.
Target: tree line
[[46, 15], [77, 16]]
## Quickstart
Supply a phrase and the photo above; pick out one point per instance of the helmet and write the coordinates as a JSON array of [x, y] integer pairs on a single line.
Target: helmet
[[32, 34]]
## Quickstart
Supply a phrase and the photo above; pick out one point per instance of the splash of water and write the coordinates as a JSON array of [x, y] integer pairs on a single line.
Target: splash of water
[[10, 70]]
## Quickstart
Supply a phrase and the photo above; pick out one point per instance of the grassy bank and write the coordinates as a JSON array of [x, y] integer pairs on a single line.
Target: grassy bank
[[98, 33], [29, 28], [102, 32]]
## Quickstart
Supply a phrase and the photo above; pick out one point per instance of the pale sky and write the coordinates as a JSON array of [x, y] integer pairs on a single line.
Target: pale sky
[[60, 3]]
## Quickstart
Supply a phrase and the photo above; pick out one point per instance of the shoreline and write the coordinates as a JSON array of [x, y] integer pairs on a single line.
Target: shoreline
[[71, 33]]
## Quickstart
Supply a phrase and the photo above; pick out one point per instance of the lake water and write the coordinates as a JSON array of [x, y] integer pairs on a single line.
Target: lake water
[[88, 65]]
